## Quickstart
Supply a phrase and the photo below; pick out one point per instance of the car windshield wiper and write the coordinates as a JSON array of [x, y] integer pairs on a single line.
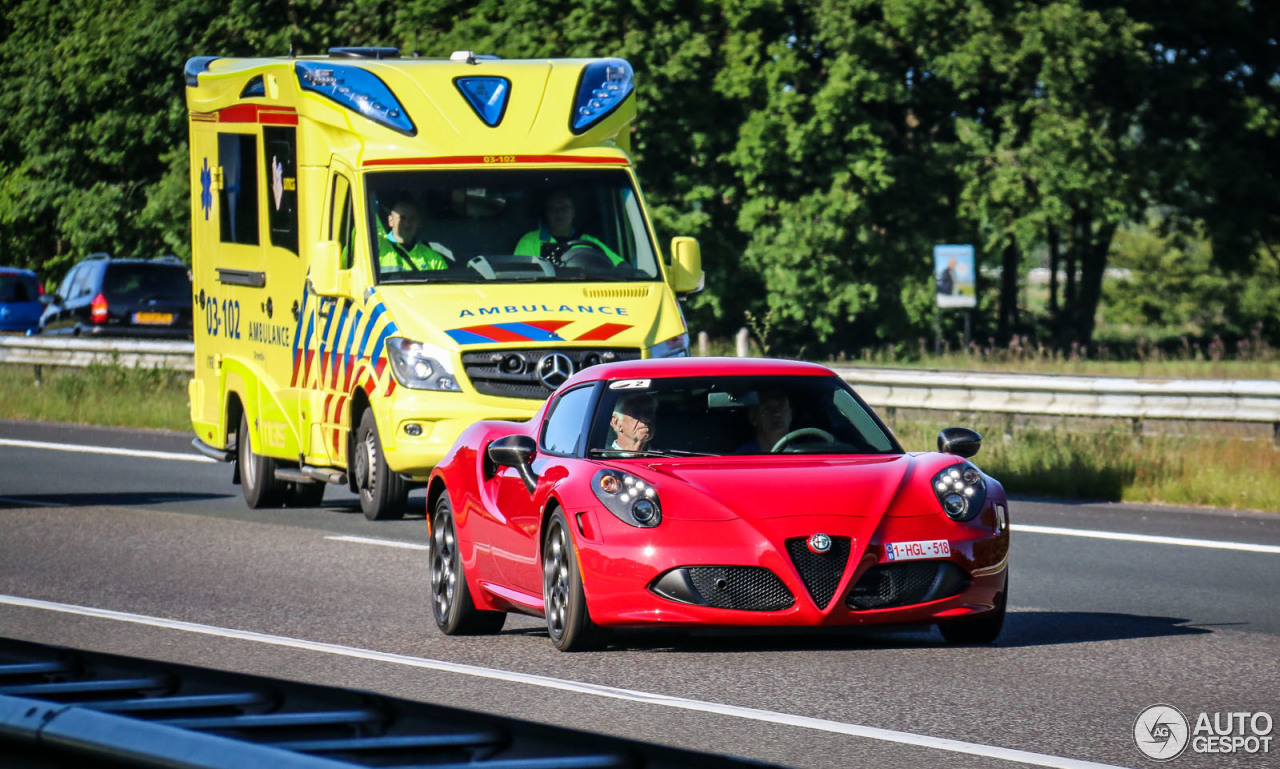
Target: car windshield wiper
[[623, 453]]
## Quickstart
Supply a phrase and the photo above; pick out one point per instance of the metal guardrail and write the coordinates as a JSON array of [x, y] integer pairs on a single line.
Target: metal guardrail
[[1256, 401], [1245, 400], [79, 351], [65, 707]]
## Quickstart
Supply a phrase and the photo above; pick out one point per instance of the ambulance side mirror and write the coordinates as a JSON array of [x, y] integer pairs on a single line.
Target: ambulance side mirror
[[686, 276], [326, 279]]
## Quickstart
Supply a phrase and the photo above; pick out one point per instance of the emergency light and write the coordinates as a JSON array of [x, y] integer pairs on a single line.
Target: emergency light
[[356, 89], [487, 96], [605, 84]]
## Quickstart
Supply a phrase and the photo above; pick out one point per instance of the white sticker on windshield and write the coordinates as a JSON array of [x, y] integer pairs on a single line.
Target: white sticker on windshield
[[630, 384]]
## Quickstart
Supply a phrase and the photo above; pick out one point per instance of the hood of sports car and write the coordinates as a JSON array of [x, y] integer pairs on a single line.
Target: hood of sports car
[[776, 487]]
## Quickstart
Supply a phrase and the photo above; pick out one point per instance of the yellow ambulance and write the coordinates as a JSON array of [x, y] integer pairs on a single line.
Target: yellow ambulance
[[386, 249]]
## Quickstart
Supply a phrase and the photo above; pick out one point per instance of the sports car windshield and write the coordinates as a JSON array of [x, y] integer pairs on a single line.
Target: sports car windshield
[[716, 416], [502, 225]]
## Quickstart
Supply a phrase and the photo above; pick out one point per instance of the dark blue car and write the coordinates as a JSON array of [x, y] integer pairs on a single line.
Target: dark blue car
[[20, 305]]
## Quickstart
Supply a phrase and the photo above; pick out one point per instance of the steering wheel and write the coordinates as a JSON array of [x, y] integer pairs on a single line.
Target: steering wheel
[[584, 254], [803, 432]]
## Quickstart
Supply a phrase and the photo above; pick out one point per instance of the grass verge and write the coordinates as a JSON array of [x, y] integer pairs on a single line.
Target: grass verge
[[99, 394], [1207, 469]]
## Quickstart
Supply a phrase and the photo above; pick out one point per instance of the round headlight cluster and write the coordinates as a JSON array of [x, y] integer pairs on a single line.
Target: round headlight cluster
[[961, 491], [630, 499]]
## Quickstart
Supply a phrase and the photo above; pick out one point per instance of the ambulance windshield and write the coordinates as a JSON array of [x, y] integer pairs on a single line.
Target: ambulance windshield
[[508, 226]]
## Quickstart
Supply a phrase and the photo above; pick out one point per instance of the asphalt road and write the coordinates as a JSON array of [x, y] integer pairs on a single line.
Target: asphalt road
[[153, 555]]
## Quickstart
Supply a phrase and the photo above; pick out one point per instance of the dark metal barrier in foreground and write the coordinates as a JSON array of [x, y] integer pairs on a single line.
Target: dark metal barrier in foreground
[[62, 707]]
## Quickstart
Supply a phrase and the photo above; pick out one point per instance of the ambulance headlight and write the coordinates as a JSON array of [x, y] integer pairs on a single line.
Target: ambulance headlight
[[604, 85], [420, 366], [675, 347]]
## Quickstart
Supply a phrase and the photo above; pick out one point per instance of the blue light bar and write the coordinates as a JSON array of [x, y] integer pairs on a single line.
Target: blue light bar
[[356, 89], [605, 84], [487, 96]]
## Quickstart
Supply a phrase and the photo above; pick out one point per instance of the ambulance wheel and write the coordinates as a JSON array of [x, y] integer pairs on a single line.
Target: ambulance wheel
[[304, 494], [257, 473], [382, 492]]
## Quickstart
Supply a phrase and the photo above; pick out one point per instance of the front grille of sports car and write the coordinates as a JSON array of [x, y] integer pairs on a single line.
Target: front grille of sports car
[[902, 584], [820, 572], [748, 588], [514, 373]]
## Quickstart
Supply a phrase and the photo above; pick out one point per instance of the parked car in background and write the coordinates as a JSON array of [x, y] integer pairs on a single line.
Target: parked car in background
[[102, 296], [20, 304]]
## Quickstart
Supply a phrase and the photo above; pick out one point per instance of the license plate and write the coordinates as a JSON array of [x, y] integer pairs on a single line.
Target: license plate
[[153, 318], [913, 551]]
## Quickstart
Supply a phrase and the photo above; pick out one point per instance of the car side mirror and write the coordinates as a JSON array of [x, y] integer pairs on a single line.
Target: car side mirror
[[686, 276], [516, 451], [325, 276], [960, 441]]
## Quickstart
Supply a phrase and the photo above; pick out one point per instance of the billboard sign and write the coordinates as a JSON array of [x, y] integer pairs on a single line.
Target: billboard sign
[[954, 276]]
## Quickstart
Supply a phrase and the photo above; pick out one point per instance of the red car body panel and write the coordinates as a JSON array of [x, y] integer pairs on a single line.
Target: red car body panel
[[722, 511]]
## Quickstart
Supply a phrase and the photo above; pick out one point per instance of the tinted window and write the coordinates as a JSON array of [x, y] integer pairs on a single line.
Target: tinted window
[[145, 281], [744, 415], [238, 198], [282, 185], [18, 288], [342, 218], [564, 426]]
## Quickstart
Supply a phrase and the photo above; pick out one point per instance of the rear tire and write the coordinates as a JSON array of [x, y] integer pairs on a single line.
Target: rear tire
[[257, 473], [382, 491], [565, 604], [451, 604], [979, 630]]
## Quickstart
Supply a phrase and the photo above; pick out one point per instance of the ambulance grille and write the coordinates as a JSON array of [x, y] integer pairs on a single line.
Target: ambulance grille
[[514, 373], [902, 584], [820, 572]]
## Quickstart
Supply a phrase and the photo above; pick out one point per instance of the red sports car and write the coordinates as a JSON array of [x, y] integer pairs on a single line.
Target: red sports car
[[702, 492]]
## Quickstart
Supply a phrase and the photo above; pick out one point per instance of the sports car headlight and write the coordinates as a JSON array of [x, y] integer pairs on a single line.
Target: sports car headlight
[[632, 500], [675, 347], [961, 490], [420, 366]]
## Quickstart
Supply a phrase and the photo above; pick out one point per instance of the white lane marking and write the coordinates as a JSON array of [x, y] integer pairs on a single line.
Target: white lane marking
[[383, 542], [1149, 538], [597, 690], [105, 450]]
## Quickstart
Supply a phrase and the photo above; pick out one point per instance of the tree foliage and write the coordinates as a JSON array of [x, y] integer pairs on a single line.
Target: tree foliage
[[818, 149]]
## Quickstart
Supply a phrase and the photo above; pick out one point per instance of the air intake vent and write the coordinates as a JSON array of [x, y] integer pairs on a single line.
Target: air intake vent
[[902, 584], [616, 293], [746, 588], [820, 572]]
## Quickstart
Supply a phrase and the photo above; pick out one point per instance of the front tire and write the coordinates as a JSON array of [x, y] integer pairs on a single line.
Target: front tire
[[257, 473], [451, 604], [568, 621], [979, 630], [382, 491]]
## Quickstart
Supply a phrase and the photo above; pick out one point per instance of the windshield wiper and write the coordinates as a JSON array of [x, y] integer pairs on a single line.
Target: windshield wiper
[[624, 453]]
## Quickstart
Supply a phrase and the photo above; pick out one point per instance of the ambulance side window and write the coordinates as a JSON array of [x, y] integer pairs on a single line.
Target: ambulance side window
[[280, 165], [238, 198], [342, 219]]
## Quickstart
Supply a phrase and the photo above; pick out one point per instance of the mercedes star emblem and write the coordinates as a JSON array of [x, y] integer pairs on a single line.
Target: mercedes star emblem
[[553, 369]]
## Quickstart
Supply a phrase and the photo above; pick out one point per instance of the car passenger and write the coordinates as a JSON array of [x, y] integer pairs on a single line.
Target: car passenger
[[770, 418]]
